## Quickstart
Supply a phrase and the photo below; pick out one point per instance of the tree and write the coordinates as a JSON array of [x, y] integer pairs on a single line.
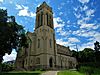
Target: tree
[[97, 46], [97, 51], [87, 55], [74, 53], [12, 35]]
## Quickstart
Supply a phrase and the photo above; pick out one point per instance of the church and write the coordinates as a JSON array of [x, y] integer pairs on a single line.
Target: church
[[43, 51]]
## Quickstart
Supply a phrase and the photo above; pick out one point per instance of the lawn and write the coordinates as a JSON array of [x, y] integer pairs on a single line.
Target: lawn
[[94, 71], [83, 71], [69, 72], [22, 73]]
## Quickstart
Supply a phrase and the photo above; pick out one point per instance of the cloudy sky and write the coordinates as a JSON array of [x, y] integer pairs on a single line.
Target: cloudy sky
[[76, 22]]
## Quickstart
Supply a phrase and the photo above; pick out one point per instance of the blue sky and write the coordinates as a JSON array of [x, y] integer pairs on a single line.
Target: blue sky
[[76, 22]]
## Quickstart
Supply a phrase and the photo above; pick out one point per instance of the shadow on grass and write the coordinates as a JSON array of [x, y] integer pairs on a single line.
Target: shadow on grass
[[19, 73], [22, 73], [89, 70]]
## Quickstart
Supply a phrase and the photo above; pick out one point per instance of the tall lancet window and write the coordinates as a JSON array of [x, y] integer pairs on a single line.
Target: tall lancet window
[[50, 43], [41, 18], [47, 17], [38, 20], [50, 21], [38, 43]]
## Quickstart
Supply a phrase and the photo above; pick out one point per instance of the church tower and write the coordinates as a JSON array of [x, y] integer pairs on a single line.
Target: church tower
[[45, 41]]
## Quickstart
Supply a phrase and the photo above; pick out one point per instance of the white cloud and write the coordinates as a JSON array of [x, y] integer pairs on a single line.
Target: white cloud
[[91, 35], [19, 7], [73, 40], [23, 11], [80, 21], [88, 34], [77, 15], [10, 57], [86, 19], [3, 8], [32, 14], [10, 1], [38, 5], [97, 37], [59, 29], [86, 45], [87, 26], [60, 7], [90, 12], [75, 9], [63, 33], [61, 13], [58, 22], [61, 42], [84, 1], [85, 8], [1, 1]]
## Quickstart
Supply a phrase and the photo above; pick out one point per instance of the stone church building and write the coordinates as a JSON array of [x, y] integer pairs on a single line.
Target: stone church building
[[43, 51]]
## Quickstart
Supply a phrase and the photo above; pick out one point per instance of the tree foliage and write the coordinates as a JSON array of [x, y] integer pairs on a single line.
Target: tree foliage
[[97, 46], [12, 35], [87, 55], [97, 51]]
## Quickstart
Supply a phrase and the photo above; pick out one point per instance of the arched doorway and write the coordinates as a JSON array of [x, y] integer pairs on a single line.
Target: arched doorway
[[51, 62]]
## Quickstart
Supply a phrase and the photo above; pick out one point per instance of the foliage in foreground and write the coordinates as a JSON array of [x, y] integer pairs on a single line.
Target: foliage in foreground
[[12, 35], [6, 67]]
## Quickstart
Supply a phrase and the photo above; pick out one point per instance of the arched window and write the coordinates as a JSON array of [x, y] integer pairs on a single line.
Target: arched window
[[37, 60], [38, 43], [50, 43], [51, 62]]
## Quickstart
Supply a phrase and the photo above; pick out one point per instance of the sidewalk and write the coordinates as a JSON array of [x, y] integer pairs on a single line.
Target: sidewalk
[[50, 73]]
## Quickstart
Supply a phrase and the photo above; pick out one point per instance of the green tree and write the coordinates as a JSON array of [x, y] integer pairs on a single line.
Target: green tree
[[97, 46], [74, 53], [97, 51], [12, 35], [87, 55]]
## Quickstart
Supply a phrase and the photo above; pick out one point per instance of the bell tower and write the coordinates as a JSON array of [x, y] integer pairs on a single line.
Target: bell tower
[[45, 41], [44, 16]]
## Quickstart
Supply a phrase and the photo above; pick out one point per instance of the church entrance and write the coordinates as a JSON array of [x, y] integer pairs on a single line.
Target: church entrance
[[51, 62]]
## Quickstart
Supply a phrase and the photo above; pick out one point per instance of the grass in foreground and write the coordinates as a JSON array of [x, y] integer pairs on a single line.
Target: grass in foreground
[[69, 72], [94, 71]]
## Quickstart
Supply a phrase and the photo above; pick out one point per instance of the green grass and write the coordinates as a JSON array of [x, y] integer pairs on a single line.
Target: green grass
[[69, 72], [22, 73], [94, 71]]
